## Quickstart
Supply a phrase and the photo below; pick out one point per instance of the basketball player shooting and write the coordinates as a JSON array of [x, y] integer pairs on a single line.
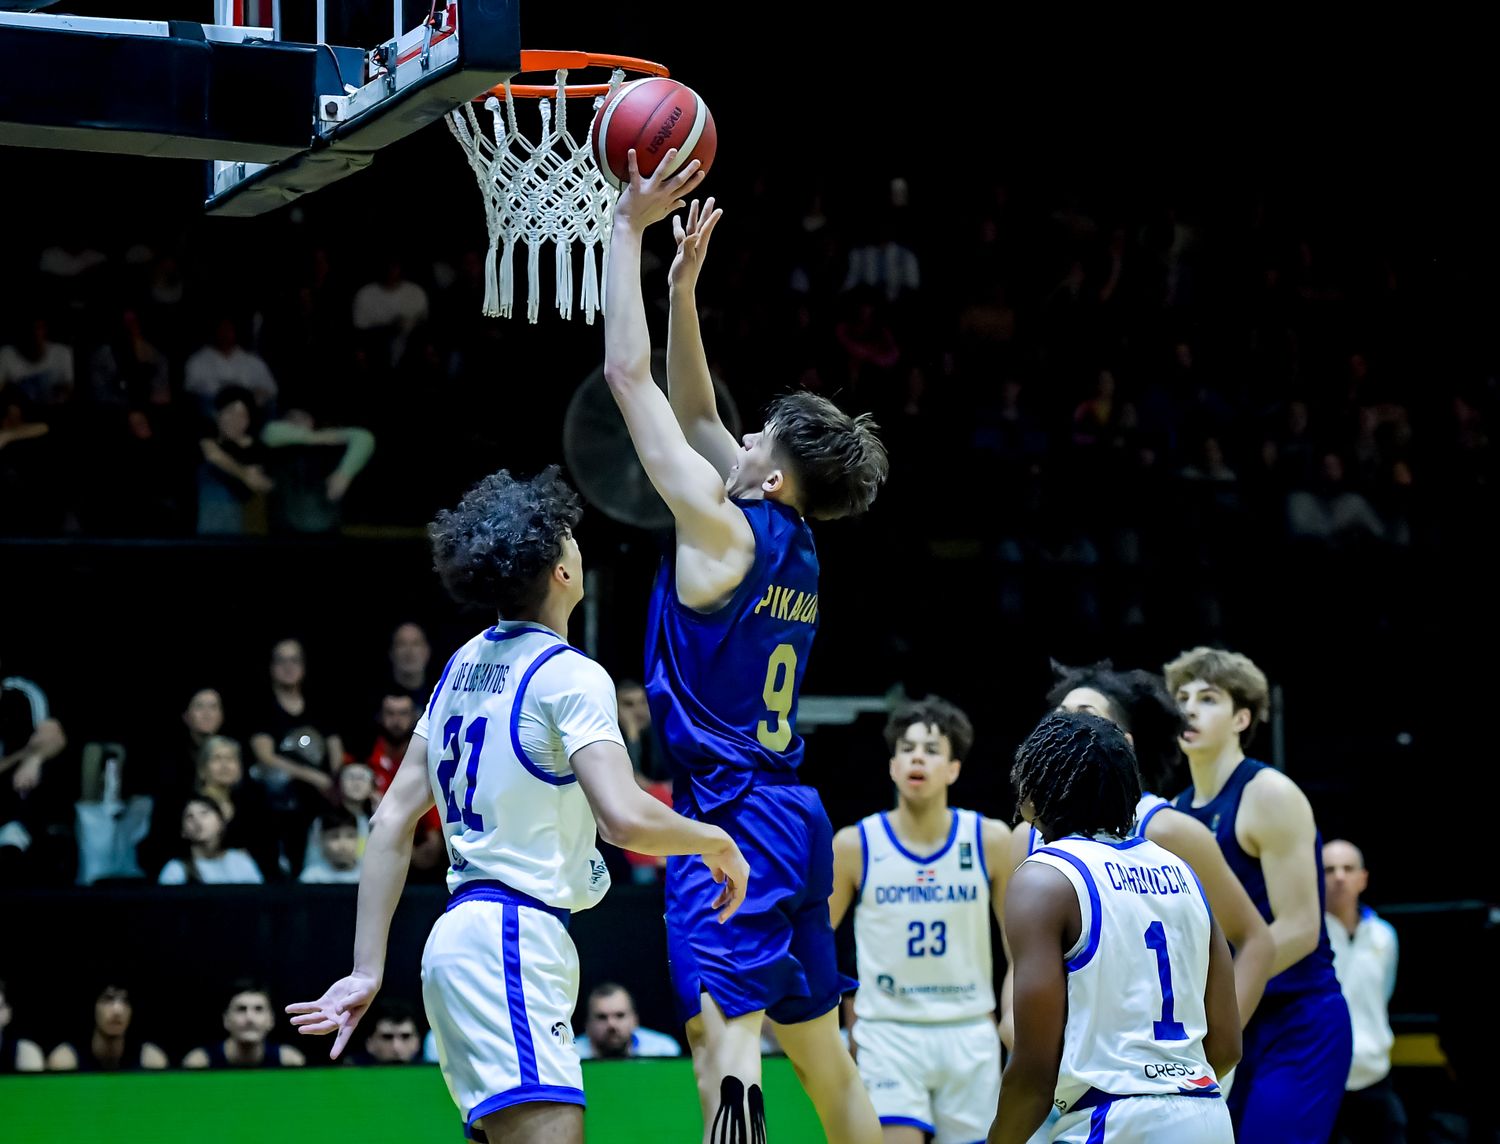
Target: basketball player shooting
[[731, 624]]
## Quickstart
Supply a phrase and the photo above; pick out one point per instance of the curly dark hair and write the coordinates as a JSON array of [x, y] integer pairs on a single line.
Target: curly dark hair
[[1140, 704], [837, 458], [932, 711], [1079, 774], [497, 548]]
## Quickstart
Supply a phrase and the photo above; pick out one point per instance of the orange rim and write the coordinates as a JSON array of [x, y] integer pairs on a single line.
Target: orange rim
[[571, 61]]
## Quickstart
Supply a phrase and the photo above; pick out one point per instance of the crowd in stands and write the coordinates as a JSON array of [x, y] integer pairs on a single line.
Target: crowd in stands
[[1125, 377]]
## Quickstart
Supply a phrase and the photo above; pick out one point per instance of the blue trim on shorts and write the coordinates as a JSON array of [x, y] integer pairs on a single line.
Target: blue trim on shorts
[[1096, 1124], [515, 998], [1094, 905], [489, 890], [525, 1094], [1095, 1097], [515, 718], [896, 842], [909, 1122], [864, 862]]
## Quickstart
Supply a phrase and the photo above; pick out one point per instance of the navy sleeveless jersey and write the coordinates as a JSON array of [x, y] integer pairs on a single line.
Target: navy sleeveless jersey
[[723, 686], [1314, 973]]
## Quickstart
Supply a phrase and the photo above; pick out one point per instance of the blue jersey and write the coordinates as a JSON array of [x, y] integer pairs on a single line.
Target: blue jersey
[[1314, 973], [723, 685]]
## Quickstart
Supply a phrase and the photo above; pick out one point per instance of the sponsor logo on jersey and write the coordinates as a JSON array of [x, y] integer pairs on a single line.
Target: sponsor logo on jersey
[[1200, 1084], [966, 856], [886, 984], [598, 871], [1157, 1070], [459, 861], [562, 1032]]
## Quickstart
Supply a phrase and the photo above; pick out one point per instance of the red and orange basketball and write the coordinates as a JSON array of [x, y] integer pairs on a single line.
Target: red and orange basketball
[[653, 116]]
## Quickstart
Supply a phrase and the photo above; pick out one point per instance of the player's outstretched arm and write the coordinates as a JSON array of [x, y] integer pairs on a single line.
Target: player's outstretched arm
[[1222, 1043], [381, 877], [693, 489], [631, 819], [1039, 907], [1244, 928], [1278, 820], [689, 383]]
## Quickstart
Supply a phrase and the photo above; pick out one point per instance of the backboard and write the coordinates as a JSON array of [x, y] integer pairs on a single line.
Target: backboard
[[276, 99]]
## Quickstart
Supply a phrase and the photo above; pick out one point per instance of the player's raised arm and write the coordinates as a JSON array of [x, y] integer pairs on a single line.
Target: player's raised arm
[[689, 384], [1244, 928], [381, 878], [693, 489], [1279, 821]]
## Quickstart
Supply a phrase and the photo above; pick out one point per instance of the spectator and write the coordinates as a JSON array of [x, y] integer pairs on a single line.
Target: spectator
[[398, 719], [395, 1036], [29, 737], [128, 371], [38, 367], [307, 492], [613, 1031], [109, 1046], [225, 364], [644, 747], [16, 422], [208, 862], [337, 846], [296, 751], [247, 813], [354, 792], [1331, 510], [387, 311], [248, 1019], [1364, 957], [16, 1054], [411, 663], [232, 479]]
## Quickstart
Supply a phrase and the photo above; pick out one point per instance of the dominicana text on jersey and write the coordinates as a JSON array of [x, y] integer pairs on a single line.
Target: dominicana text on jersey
[[922, 926]]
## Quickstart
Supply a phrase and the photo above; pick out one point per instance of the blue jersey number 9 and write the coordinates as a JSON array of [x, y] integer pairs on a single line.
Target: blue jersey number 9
[[775, 731]]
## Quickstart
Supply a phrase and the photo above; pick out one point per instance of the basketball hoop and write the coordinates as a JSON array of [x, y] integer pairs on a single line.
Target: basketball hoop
[[549, 190]]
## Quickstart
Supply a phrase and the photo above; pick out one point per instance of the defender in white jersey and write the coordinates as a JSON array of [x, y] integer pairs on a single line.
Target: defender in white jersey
[[524, 756], [1124, 992], [923, 880], [1138, 703]]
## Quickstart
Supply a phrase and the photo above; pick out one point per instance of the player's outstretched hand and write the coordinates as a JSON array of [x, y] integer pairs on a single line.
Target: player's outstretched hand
[[648, 200], [337, 1010], [692, 242], [728, 867]]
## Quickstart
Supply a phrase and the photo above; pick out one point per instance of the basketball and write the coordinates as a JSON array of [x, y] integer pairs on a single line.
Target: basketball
[[653, 116]]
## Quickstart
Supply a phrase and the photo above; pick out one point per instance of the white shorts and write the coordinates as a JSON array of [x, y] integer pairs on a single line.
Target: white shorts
[[1149, 1120], [500, 982], [943, 1079]]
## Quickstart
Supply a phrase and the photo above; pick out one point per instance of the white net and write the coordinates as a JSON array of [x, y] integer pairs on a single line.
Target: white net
[[535, 193]]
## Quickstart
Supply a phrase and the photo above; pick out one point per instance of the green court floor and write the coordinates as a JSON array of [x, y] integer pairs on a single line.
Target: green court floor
[[630, 1102]]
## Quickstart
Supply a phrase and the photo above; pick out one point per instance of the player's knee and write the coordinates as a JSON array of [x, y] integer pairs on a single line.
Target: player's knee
[[741, 1115]]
